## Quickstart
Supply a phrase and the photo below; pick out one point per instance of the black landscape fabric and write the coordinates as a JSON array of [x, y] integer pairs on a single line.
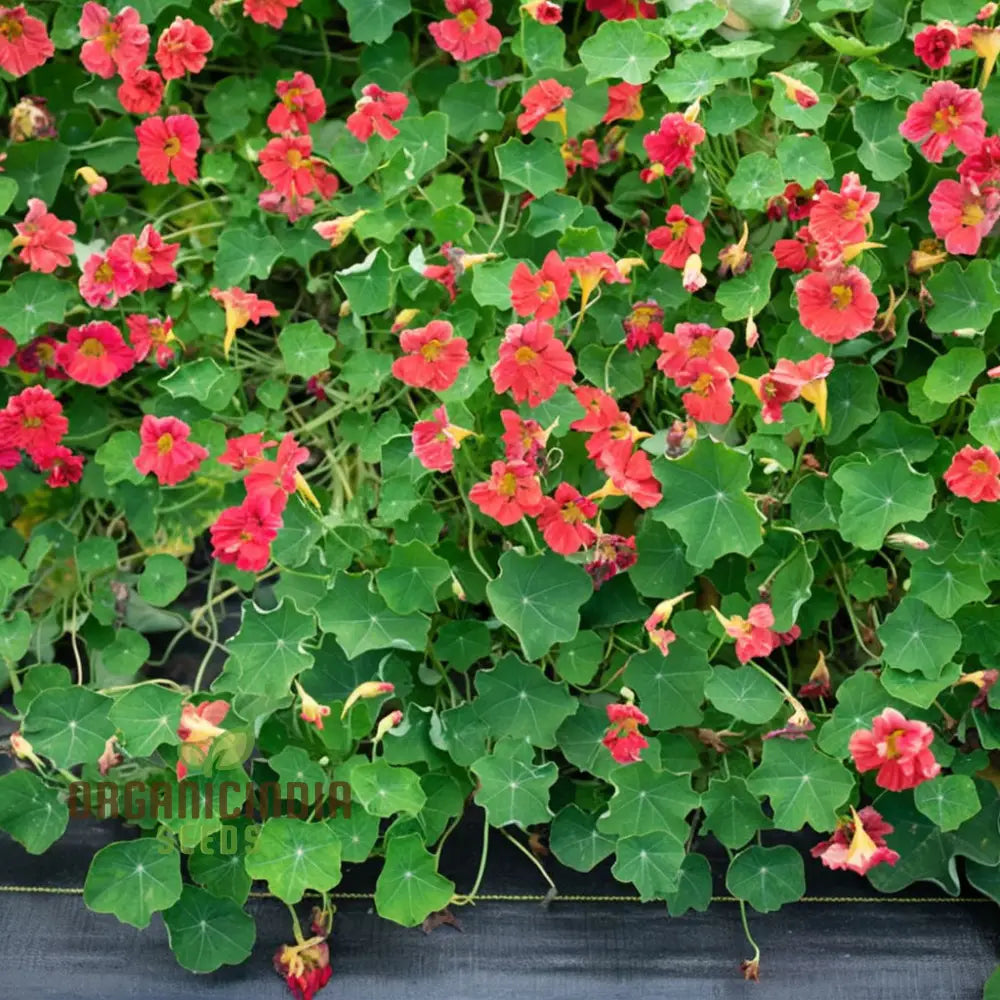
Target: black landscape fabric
[[51, 946]]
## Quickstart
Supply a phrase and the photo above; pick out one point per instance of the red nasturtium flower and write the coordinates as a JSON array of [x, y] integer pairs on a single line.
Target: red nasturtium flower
[[511, 492], [563, 519], [152, 336], [898, 748], [631, 475], [532, 363], [688, 342], [934, 43], [962, 215], [543, 11], [974, 473], [104, 280], [798, 254], [270, 12], [39, 357], [946, 115], [147, 259], [678, 239], [592, 270], [63, 467], [522, 439], [623, 738], [643, 325], [117, 44], [199, 726], [33, 421], [543, 102], [622, 10], [673, 144], [43, 238], [375, 112], [982, 166], [434, 356], [806, 379], [468, 35], [95, 354], [624, 103], [141, 92], [242, 535], [168, 146], [275, 480], [241, 308], [182, 48], [286, 164], [858, 844], [24, 43], [540, 294], [836, 304], [435, 441], [300, 104], [753, 634], [165, 450], [245, 451], [839, 218], [305, 967], [612, 554], [335, 231]]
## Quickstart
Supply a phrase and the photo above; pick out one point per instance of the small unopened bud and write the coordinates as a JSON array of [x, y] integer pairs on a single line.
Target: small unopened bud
[[386, 723], [903, 540], [368, 689]]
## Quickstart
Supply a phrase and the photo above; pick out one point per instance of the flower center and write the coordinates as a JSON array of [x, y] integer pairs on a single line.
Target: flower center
[[546, 290], [701, 347], [851, 209], [164, 443], [891, 750], [11, 28], [702, 383], [972, 215], [467, 19], [104, 275], [109, 37], [142, 255], [291, 99], [945, 119], [431, 351], [842, 296], [92, 348], [31, 423], [172, 146], [295, 159], [980, 468], [508, 484], [678, 229], [524, 355], [572, 514]]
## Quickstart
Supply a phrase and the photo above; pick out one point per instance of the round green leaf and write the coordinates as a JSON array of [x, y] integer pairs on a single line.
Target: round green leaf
[[576, 841], [513, 791], [915, 639], [758, 178], [651, 862], [147, 717], [538, 598], [31, 811], [384, 790], [767, 877], [294, 856], [69, 725], [947, 800], [206, 932], [950, 375], [163, 579], [133, 879], [705, 502], [411, 579], [743, 693], [305, 348], [622, 50], [409, 887]]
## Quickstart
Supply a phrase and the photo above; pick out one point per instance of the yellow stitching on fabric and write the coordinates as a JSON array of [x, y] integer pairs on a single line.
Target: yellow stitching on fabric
[[496, 897]]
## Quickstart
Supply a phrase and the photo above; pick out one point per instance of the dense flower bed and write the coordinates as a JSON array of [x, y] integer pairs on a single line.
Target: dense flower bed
[[591, 406]]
